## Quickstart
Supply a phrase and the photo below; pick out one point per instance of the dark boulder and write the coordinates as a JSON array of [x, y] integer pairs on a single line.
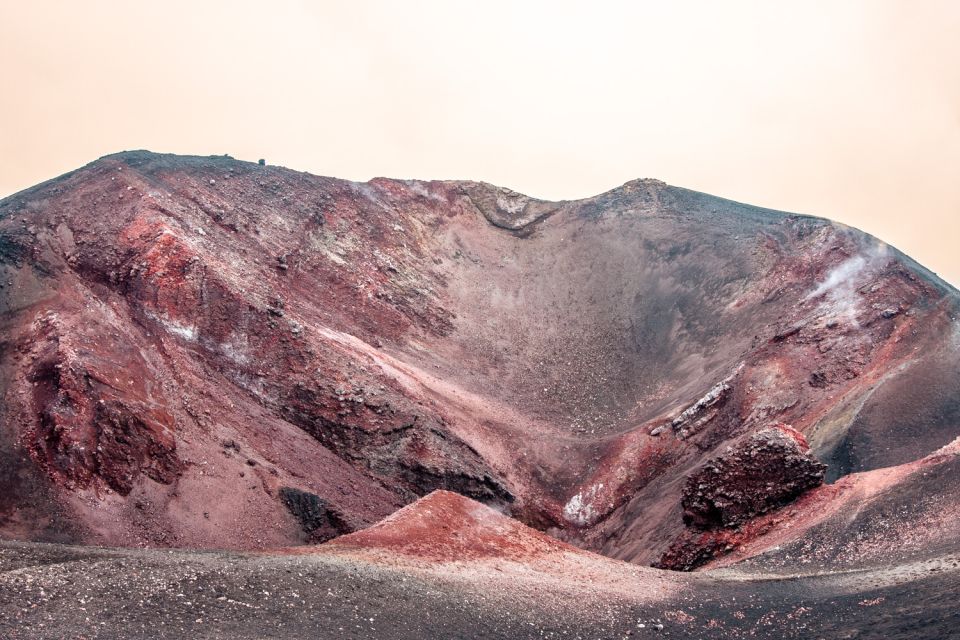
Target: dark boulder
[[769, 469]]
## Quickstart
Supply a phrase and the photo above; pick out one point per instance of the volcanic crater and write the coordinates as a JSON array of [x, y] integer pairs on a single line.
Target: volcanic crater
[[204, 353]]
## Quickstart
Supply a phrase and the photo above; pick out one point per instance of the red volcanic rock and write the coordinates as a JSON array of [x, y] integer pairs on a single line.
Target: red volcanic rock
[[765, 471], [874, 518], [96, 416], [693, 549], [724, 501]]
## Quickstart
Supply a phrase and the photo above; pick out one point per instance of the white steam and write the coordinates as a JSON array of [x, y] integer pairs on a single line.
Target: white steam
[[841, 284], [842, 276]]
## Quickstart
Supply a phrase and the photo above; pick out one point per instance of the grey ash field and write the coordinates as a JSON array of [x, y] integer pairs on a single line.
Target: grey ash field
[[240, 401], [54, 591]]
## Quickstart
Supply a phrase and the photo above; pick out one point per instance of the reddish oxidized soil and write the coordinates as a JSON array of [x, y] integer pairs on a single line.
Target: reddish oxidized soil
[[445, 526], [202, 352], [457, 539]]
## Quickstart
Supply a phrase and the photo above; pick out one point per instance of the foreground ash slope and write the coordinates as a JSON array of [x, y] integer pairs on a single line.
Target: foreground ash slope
[[201, 352], [449, 567]]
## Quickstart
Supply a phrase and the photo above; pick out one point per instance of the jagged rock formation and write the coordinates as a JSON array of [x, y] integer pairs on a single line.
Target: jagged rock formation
[[761, 473], [183, 341], [317, 520], [765, 471]]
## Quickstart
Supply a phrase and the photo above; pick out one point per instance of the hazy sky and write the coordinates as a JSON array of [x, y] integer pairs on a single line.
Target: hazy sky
[[849, 110]]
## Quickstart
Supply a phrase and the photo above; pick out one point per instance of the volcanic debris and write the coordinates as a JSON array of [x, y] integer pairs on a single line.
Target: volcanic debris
[[769, 469], [765, 471]]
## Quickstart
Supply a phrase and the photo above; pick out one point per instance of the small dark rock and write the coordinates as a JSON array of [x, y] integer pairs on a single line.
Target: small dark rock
[[315, 517], [818, 379]]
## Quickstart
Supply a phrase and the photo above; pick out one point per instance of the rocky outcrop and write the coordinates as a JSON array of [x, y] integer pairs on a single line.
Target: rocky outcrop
[[693, 549], [762, 473], [316, 518], [692, 419], [506, 208], [95, 417], [765, 471]]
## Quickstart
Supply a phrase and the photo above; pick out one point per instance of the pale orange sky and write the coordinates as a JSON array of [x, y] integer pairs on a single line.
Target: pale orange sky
[[849, 110]]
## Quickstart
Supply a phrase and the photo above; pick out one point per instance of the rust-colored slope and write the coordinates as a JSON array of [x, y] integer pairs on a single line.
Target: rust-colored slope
[[458, 539], [446, 527]]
